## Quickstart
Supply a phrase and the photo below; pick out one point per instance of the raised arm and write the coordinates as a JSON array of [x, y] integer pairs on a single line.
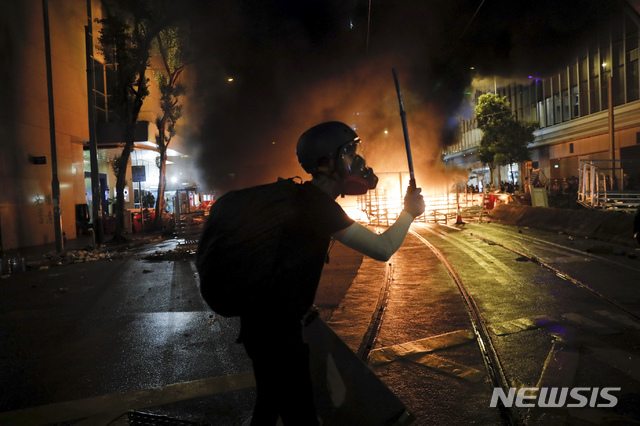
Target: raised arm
[[383, 246]]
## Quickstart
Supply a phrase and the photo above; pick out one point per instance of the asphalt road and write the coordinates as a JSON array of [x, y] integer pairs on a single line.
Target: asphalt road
[[560, 313], [86, 343], [112, 329]]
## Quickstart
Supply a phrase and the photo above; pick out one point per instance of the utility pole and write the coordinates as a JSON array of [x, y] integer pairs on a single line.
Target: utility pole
[[55, 183], [96, 193], [612, 145]]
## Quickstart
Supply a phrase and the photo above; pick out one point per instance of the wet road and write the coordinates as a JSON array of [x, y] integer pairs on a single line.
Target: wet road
[[94, 340], [559, 313], [111, 330]]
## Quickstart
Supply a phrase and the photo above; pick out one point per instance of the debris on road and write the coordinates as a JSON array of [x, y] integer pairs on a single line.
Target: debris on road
[[179, 253]]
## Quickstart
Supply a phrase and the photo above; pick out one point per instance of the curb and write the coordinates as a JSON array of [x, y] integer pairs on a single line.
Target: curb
[[610, 226]]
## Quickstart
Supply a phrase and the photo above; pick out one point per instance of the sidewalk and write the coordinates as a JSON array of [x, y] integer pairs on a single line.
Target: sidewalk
[[82, 248]]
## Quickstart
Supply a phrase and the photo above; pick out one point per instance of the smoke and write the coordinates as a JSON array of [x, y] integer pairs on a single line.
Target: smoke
[[365, 98], [296, 64]]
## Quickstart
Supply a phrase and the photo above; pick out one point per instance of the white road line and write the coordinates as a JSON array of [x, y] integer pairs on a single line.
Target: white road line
[[560, 367], [124, 402], [621, 319], [494, 267], [588, 323]]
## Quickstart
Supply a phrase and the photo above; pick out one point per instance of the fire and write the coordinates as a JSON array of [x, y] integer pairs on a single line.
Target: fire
[[383, 205]]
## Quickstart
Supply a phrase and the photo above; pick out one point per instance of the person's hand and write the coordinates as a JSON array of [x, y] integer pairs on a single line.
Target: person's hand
[[414, 202], [311, 314]]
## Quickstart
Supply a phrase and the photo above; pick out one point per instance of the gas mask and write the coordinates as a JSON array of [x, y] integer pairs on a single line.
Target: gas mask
[[357, 178]]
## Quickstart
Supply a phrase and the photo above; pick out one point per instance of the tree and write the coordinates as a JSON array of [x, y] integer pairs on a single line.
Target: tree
[[504, 137], [514, 138], [171, 49], [128, 30]]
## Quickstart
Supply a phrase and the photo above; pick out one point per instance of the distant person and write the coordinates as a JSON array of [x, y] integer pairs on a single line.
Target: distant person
[[272, 332]]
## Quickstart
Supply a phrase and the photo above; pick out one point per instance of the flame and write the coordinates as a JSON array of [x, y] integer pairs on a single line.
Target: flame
[[384, 204]]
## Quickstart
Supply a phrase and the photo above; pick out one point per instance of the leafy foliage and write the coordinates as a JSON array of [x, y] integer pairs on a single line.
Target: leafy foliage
[[126, 37], [504, 137], [170, 44]]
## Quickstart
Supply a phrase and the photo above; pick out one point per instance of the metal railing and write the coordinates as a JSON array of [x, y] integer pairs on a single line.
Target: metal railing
[[382, 209], [609, 184], [188, 220]]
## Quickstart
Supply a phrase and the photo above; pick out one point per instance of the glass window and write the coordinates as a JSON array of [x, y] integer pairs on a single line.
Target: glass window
[[631, 30], [617, 65], [111, 79], [99, 97], [101, 102], [606, 69], [98, 75], [541, 114], [583, 81], [632, 71], [633, 88], [536, 89], [526, 103], [549, 110], [564, 90], [573, 84], [594, 80], [573, 74], [557, 100], [101, 116]]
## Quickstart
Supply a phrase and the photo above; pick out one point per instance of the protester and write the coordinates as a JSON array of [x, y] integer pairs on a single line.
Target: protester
[[272, 332]]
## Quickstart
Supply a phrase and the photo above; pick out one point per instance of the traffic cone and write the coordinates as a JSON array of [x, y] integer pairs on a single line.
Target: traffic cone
[[459, 217]]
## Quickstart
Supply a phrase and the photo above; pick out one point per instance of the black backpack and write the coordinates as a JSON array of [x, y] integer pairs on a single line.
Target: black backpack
[[238, 249]]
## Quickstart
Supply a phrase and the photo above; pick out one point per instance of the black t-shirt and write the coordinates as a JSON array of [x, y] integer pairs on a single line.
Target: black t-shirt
[[303, 248]]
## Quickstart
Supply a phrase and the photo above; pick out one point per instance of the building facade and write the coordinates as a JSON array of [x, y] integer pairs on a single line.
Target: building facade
[[26, 167], [588, 111]]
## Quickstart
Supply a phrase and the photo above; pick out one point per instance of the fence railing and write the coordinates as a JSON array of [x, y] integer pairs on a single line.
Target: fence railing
[[382, 209], [609, 184]]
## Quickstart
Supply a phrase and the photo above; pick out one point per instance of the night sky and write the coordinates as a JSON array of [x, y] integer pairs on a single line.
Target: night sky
[[298, 63]]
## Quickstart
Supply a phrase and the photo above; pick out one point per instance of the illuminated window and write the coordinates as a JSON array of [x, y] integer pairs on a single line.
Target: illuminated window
[[104, 82]]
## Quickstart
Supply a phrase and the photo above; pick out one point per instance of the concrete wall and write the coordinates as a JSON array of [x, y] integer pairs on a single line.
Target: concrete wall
[[614, 227], [26, 205]]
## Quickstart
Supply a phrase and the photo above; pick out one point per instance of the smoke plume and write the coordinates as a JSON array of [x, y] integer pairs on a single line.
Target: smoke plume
[[296, 64]]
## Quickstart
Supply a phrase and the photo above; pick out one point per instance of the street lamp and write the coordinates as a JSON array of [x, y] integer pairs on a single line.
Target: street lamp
[[612, 146]]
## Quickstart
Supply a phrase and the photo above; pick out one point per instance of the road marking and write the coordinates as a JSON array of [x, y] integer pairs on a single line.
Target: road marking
[[127, 401], [494, 267], [591, 324], [418, 351], [621, 319], [429, 344], [194, 269], [559, 371], [521, 324], [560, 367], [449, 367]]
